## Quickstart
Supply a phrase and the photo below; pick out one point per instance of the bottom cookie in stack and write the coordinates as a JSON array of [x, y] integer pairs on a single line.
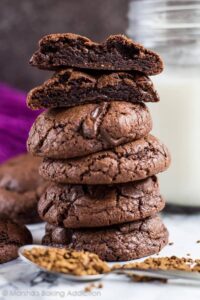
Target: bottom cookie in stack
[[114, 243], [117, 222]]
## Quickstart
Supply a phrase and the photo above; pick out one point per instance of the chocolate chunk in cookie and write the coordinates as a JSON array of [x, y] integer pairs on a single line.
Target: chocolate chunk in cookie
[[116, 53], [20, 188], [115, 243], [86, 129], [70, 88], [76, 206], [12, 236], [129, 162]]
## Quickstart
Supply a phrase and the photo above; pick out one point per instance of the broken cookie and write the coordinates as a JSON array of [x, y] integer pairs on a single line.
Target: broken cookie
[[117, 52], [71, 87]]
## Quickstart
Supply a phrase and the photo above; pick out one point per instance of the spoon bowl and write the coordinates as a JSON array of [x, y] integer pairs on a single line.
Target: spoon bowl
[[66, 276]]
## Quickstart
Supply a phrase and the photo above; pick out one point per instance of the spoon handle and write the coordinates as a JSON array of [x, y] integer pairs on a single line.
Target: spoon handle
[[161, 274]]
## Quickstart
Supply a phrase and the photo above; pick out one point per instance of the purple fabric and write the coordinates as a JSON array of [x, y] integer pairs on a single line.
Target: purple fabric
[[15, 122]]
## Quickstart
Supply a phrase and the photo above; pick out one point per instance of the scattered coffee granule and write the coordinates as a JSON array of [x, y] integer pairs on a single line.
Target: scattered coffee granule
[[92, 286], [89, 287], [67, 261], [198, 242], [171, 243]]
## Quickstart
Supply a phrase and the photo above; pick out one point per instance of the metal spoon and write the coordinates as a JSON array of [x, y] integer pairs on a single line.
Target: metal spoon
[[159, 274]]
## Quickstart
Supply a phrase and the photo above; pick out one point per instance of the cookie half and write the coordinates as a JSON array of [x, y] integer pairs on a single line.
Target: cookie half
[[86, 129], [20, 188], [116, 53], [115, 243], [12, 236], [70, 88], [133, 161], [76, 206]]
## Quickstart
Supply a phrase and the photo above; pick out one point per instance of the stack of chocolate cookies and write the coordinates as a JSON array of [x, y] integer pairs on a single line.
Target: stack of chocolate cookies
[[97, 150]]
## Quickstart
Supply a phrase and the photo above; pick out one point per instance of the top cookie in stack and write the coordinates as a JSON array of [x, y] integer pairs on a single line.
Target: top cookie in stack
[[96, 132], [116, 53], [99, 78]]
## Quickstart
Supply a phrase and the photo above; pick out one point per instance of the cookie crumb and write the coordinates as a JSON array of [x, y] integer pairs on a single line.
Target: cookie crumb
[[198, 241]]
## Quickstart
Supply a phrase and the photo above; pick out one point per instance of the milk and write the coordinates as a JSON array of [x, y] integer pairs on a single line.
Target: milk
[[172, 29], [176, 120]]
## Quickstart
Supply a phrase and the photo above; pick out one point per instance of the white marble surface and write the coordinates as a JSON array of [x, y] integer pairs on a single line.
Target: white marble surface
[[20, 281]]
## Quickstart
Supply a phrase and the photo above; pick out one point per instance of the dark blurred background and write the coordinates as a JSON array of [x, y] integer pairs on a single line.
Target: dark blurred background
[[24, 22]]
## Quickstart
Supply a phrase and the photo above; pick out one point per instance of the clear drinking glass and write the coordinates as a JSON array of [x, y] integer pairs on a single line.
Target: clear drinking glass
[[172, 28]]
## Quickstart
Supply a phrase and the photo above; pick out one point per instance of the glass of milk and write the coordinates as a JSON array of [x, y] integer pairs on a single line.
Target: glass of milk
[[172, 28]]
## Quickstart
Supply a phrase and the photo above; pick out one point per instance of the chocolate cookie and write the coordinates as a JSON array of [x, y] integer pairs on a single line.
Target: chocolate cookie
[[20, 188], [86, 129], [116, 53], [115, 243], [12, 236], [132, 161], [76, 206], [70, 88]]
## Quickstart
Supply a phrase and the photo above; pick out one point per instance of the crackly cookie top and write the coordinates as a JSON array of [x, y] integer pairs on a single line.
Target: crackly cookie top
[[129, 162], [93, 127], [78, 206]]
